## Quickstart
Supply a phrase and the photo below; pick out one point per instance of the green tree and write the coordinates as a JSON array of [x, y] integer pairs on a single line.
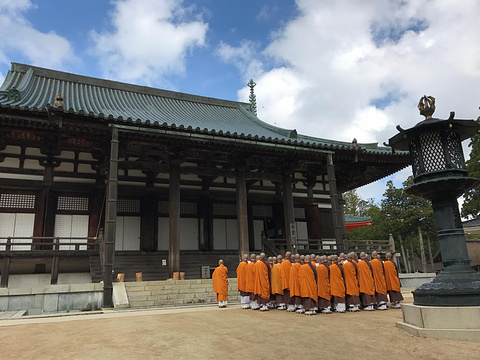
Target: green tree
[[471, 205], [354, 204]]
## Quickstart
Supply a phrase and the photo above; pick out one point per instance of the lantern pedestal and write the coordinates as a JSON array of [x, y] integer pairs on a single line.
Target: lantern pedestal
[[458, 284]]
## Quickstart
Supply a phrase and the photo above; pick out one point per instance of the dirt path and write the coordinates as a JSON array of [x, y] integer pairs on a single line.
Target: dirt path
[[212, 333]]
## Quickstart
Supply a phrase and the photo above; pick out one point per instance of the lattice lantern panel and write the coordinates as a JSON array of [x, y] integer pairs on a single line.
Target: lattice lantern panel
[[432, 152], [455, 152]]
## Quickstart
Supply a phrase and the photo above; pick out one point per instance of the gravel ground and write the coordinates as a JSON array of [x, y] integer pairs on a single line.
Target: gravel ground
[[213, 333]]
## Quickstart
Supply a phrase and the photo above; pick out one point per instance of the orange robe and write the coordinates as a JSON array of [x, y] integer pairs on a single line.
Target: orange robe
[[262, 282], [250, 277], [241, 276], [337, 284], [220, 282], [378, 276], [351, 281], [276, 279], [294, 284], [286, 266], [323, 282], [308, 282], [313, 263], [391, 276], [365, 278]]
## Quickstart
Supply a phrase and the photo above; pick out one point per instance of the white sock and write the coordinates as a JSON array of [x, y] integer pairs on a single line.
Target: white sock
[[340, 307]]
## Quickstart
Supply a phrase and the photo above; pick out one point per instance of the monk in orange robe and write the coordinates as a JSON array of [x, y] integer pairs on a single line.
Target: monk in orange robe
[[294, 285], [392, 281], [337, 285], [286, 266], [276, 283], [241, 281], [379, 279], [307, 275], [352, 290], [250, 281], [220, 284], [323, 285], [312, 260], [365, 280], [262, 282]]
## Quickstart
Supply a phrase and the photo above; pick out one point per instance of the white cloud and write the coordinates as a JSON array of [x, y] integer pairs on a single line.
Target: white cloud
[[18, 38], [359, 68], [244, 57], [150, 38]]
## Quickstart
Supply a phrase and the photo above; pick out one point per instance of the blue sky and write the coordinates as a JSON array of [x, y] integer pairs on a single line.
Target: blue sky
[[338, 69]]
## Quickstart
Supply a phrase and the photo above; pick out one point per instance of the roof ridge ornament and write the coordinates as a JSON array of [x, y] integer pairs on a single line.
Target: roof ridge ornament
[[426, 105], [252, 98], [59, 101]]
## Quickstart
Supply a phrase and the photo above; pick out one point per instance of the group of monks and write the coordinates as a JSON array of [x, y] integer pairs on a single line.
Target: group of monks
[[310, 284]]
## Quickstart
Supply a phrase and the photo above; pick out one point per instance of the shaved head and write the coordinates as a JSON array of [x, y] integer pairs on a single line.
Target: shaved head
[[279, 258], [307, 258], [253, 257], [297, 257], [388, 256], [220, 262], [374, 254], [245, 256], [262, 256]]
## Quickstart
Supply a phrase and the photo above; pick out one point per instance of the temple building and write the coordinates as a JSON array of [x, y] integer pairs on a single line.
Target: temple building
[[139, 171]]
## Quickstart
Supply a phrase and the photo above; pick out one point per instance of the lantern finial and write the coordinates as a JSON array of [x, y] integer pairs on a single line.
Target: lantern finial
[[426, 105]]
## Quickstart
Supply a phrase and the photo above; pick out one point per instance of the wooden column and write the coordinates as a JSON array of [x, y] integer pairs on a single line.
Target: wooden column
[[205, 225], [110, 221], [174, 218], [289, 214], [251, 234], [334, 199], [242, 212], [95, 207], [6, 265], [45, 206], [314, 226], [148, 222]]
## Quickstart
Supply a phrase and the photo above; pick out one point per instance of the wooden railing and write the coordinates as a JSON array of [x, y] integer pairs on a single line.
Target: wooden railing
[[46, 247], [327, 246], [33, 245]]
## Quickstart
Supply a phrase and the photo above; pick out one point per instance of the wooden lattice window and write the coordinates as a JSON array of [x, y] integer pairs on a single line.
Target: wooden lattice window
[[225, 209], [17, 201], [186, 208], [128, 206], [72, 203], [262, 211], [299, 213]]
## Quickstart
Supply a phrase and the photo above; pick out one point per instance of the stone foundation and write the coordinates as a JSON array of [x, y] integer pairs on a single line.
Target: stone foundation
[[453, 323], [176, 292]]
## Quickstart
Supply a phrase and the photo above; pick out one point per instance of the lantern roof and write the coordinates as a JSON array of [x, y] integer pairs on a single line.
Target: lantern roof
[[466, 129]]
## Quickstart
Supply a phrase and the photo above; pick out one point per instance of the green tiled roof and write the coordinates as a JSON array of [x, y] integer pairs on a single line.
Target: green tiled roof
[[356, 219], [32, 88]]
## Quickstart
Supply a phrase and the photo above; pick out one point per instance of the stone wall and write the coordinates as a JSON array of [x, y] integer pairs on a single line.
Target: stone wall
[[52, 298], [176, 292], [416, 279]]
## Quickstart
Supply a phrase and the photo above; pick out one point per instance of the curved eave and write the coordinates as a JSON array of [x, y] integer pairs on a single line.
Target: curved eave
[[147, 124]]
